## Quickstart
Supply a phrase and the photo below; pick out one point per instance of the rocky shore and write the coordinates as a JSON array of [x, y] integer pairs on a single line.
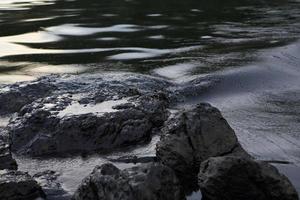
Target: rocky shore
[[66, 115]]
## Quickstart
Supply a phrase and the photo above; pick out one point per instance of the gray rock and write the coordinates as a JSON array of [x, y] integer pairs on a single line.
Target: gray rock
[[90, 113], [50, 185], [16, 185], [14, 97], [192, 136], [134, 159], [235, 178], [6, 159], [150, 181]]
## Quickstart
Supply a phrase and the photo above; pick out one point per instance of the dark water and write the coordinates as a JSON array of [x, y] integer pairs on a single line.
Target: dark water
[[74, 36], [250, 47]]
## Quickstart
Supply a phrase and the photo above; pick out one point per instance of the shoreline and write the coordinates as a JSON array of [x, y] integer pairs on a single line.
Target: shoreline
[[229, 108]]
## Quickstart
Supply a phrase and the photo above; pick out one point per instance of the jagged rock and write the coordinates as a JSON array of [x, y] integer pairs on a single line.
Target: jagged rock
[[44, 132], [236, 178], [148, 181], [192, 136], [6, 159], [52, 188], [90, 113], [16, 185], [14, 97]]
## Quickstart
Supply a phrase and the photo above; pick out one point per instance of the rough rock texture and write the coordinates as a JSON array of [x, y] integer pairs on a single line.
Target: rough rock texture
[[151, 182], [6, 159], [14, 97], [235, 178], [194, 135], [90, 113], [16, 185], [52, 188], [44, 132]]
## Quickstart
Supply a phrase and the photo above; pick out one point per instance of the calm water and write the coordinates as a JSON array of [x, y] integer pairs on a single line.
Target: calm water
[[194, 36], [251, 47]]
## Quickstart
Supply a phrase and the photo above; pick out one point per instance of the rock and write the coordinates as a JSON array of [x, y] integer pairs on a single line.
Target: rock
[[134, 159], [148, 181], [43, 132], [236, 178], [90, 113], [16, 185], [52, 188], [14, 97], [192, 136], [6, 159]]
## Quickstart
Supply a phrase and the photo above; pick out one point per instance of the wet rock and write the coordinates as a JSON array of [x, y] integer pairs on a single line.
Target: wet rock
[[16, 185], [148, 181], [192, 88], [52, 188], [14, 97], [6, 159], [44, 132], [135, 159], [192, 136], [234, 178], [122, 110]]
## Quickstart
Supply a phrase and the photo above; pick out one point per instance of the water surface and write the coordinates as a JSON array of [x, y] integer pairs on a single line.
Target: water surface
[[249, 48], [54, 36]]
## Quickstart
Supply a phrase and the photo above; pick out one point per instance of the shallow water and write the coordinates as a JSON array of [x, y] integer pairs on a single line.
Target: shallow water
[[249, 49], [138, 35]]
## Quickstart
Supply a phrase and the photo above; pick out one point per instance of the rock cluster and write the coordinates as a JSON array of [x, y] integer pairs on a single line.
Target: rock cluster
[[56, 115], [194, 135], [14, 184]]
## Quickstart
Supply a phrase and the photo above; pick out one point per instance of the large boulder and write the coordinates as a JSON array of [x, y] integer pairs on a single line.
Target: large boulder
[[150, 181], [45, 131], [236, 178], [90, 113], [192, 136], [16, 185]]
